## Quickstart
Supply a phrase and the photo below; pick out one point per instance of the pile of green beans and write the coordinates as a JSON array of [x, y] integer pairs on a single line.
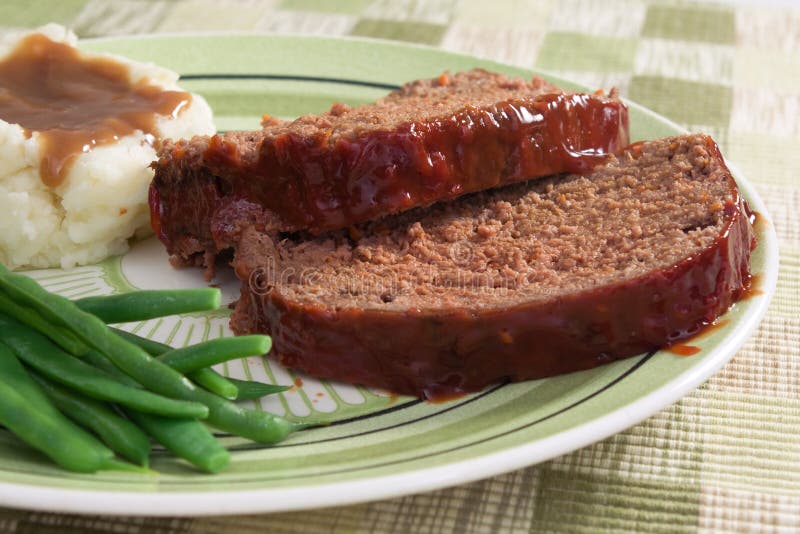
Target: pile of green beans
[[84, 393]]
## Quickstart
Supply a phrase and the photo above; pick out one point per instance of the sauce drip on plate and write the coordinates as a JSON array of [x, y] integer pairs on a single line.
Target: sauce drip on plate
[[683, 350], [75, 103]]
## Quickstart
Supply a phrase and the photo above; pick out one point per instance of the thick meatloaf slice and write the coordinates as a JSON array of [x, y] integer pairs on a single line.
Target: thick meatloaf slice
[[526, 281], [428, 141]]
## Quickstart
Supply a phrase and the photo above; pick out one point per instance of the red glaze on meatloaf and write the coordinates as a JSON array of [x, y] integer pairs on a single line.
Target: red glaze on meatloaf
[[431, 140], [556, 275]]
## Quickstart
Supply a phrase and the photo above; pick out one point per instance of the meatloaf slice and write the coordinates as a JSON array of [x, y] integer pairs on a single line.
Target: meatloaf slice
[[428, 141], [526, 281]]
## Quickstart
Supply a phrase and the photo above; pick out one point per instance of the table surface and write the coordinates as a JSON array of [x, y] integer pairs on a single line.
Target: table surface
[[724, 458]]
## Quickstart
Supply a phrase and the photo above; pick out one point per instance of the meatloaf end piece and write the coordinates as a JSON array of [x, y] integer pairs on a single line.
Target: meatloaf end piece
[[428, 141], [526, 281]]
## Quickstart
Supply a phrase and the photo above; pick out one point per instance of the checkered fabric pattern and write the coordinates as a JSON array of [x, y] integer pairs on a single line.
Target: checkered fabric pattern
[[724, 458]]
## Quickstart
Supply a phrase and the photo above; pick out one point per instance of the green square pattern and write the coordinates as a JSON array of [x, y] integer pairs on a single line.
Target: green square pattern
[[609, 503], [687, 23], [414, 32], [636, 483], [183, 16], [575, 51], [37, 12], [344, 7], [684, 101]]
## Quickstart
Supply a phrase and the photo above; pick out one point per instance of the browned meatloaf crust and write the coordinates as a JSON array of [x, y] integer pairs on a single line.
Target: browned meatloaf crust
[[526, 281], [428, 141]]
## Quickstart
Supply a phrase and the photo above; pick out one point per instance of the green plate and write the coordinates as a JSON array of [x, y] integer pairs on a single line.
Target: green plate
[[377, 445]]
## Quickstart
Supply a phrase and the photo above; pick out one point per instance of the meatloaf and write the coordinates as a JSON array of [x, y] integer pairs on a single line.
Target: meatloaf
[[430, 140], [526, 281]]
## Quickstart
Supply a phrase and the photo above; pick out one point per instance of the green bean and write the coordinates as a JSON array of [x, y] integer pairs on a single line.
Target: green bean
[[11, 368], [63, 338], [134, 361], [215, 383], [50, 432], [15, 285], [207, 378], [91, 454], [225, 415], [251, 390], [47, 358], [215, 351], [116, 432], [151, 373], [185, 438], [251, 424], [154, 348], [106, 365], [143, 305]]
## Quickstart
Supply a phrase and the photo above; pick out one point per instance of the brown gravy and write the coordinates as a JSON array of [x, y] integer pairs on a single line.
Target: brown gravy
[[75, 103]]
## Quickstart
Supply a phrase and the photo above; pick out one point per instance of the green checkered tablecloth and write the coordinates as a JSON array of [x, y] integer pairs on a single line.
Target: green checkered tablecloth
[[724, 458]]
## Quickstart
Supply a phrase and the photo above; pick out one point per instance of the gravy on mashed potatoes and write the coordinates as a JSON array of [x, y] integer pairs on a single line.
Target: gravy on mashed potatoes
[[76, 136]]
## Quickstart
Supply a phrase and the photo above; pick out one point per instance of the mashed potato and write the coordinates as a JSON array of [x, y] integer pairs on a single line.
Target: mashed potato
[[103, 199]]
